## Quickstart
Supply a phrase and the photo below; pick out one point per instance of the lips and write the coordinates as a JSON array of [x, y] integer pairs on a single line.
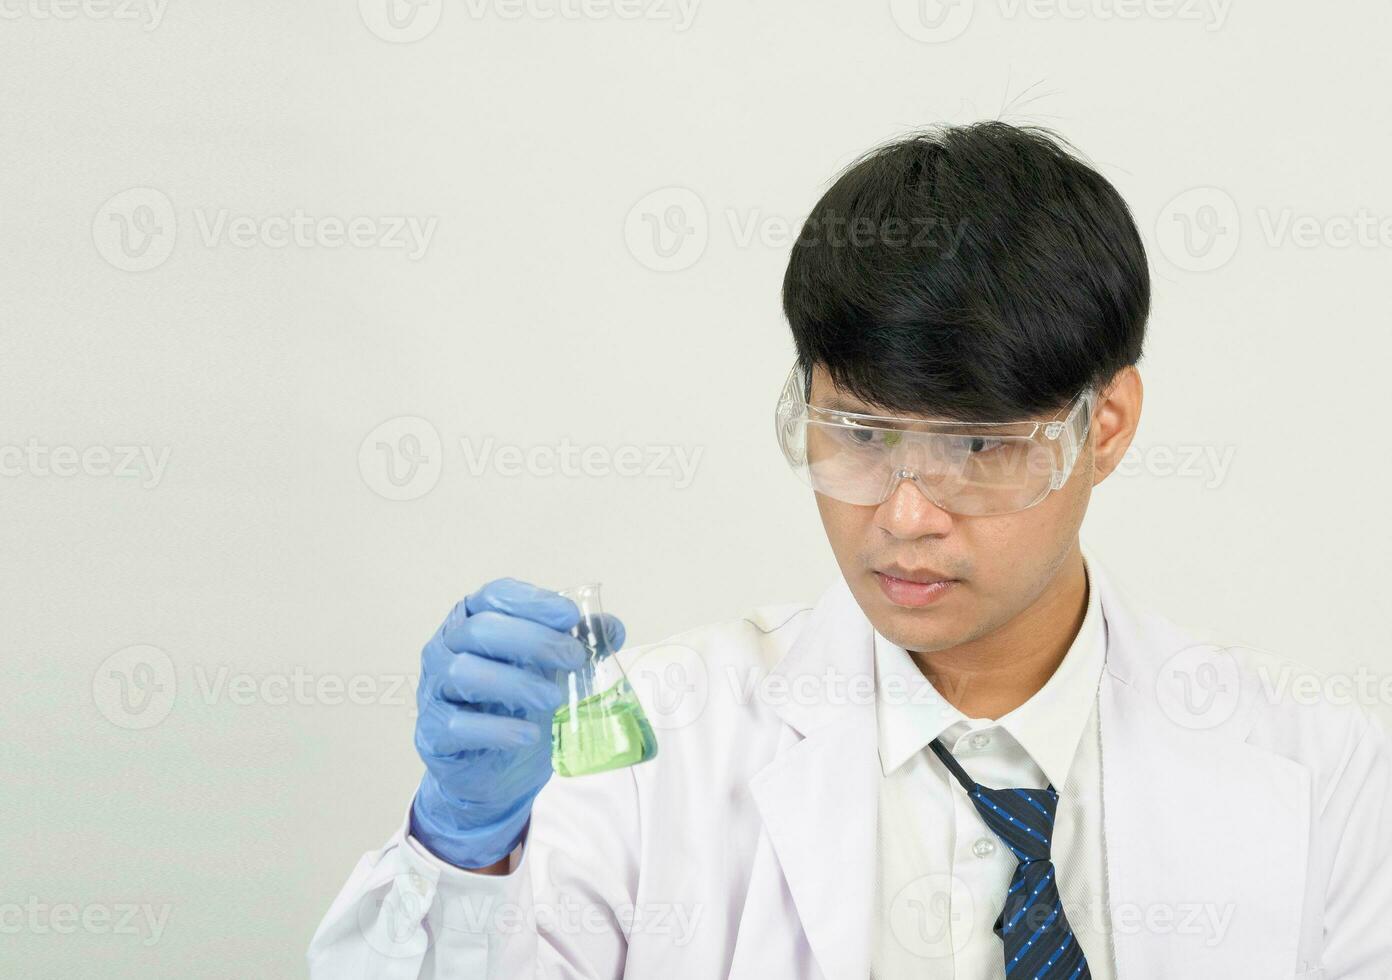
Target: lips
[[922, 576], [927, 588]]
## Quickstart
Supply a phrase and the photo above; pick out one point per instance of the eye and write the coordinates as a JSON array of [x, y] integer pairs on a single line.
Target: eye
[[866, 437], [980, 445]]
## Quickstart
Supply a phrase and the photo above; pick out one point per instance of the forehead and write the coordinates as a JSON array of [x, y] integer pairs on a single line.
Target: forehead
[[826, 395]]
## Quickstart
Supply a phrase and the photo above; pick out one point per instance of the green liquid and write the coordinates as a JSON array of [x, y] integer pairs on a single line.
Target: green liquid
[[606, 731]]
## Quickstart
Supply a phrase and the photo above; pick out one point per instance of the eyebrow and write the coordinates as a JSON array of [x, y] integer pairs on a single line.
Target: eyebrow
[[838, 404]]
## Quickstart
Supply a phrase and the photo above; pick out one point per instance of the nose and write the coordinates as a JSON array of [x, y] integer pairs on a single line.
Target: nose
[[908, 512]]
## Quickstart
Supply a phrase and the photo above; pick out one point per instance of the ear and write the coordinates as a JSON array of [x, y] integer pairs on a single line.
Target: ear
[[1114, 421]]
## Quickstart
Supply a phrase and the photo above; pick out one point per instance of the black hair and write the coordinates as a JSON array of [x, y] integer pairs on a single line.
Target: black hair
[[977, 272]]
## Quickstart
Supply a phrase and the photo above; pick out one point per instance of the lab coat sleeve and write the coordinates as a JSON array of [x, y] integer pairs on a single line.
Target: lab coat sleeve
[[1357, 813], [563, 910]]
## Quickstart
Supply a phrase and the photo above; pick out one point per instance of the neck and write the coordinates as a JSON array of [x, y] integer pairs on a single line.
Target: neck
[[996, 673]]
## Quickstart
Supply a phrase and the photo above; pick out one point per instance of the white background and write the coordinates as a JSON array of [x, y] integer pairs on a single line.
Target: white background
[[540, 144]]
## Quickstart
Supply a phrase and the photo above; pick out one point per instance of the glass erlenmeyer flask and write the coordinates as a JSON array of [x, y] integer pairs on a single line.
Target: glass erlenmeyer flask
[[601, 725]]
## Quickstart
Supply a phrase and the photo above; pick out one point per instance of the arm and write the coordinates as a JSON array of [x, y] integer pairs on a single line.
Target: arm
[[1357, 815], [559, 906], [485, 703], [385, 921]]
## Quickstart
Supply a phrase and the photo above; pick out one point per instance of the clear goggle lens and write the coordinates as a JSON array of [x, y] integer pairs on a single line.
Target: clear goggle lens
[[970, 469]]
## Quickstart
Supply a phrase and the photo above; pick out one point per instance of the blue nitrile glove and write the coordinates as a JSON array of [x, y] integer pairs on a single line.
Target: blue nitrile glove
[[491, 679]]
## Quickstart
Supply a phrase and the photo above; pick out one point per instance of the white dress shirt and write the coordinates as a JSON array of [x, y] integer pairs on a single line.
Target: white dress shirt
[[943, 875]]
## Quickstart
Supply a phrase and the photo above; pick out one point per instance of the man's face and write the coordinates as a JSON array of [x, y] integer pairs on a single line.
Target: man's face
[[1000, 564]]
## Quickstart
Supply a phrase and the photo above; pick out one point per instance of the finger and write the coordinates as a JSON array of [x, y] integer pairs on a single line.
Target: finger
[[520, 641], [439, 683], [451, 729], [614, 631], [472, 679], [525, 601]]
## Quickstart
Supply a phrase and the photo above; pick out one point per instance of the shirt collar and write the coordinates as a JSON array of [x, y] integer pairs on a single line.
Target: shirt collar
[[910, 712]]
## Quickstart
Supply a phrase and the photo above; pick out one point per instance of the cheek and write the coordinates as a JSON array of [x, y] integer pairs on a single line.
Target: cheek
[[1014, 551], [847, 527]]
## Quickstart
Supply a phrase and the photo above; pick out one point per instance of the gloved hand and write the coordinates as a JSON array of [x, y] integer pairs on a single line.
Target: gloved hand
[[491, 679]]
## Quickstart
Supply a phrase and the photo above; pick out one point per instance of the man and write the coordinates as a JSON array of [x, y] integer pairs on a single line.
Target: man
[[974, 756]]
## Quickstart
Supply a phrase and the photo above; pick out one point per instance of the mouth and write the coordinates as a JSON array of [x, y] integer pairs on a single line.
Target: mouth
[[916, 589]]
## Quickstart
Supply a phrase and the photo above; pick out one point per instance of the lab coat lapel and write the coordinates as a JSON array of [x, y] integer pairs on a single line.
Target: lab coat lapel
[[1206, 834], [818, 800]]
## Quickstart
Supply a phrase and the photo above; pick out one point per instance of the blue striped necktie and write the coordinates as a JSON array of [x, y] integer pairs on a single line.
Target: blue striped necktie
[[1039, 944]]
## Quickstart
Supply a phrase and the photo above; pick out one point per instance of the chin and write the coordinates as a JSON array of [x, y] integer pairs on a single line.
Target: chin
[[922, 630]]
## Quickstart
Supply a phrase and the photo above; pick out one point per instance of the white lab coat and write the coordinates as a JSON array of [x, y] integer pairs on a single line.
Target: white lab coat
[[746, 848]]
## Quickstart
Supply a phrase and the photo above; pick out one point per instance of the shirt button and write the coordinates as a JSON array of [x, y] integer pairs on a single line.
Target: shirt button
[[979, 742], [984, 847], [418, 883]]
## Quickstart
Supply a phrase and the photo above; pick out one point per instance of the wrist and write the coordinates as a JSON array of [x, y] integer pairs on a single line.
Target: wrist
[[437, 823]]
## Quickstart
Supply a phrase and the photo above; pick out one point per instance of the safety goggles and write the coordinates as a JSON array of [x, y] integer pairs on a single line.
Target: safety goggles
[[966, 468]]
